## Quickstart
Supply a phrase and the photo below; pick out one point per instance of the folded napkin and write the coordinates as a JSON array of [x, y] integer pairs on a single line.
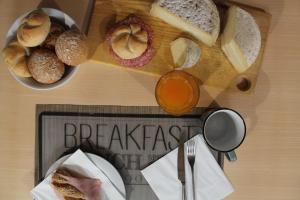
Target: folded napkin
[[210, 181], [80, 163]]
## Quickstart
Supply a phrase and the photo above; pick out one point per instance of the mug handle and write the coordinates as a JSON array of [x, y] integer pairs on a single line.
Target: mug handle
[[231, 156]]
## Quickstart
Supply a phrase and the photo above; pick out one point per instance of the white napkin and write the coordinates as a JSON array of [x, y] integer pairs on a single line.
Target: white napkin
[[78, 162], [210, 181]]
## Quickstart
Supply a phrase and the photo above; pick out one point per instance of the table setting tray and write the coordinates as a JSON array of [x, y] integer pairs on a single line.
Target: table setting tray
[[130, 138]]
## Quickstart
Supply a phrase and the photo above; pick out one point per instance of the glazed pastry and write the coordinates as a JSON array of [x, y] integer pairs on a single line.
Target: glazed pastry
[[45, 66], [34, 29], [55, 31], [71, 48], [14, 55], [130, 42]]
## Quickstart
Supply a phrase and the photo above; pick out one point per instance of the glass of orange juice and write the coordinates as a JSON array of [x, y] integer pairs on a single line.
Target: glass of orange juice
[[177, 92]]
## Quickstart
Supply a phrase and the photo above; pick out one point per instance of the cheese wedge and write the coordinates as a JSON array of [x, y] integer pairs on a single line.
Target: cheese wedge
[[200, 18], [241, 39], [185, 53]]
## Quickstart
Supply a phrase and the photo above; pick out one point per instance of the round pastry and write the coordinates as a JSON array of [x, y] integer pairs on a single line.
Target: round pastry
[[14, 55], [130, 42], [34, 29], [71, 48], [55, 31], [45, 66]]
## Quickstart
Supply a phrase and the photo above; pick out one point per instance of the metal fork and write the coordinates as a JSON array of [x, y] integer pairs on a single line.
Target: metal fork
[[191, 153]]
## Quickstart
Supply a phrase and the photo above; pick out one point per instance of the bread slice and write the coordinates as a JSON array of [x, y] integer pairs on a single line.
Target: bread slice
[[241, 39], [200, 18], [68, 190], [61, 185]]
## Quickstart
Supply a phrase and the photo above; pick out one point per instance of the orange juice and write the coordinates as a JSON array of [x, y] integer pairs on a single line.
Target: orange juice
[[177, 92]]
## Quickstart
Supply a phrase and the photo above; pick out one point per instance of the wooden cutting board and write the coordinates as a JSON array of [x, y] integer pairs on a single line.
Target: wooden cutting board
[[213, 69]]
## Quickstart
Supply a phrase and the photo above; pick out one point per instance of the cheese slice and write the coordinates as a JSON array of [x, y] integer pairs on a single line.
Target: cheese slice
[[185, 52], [200, 18], [241, 39]]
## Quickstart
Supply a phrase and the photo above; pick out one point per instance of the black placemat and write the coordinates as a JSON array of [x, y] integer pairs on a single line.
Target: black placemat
[[130, 138]]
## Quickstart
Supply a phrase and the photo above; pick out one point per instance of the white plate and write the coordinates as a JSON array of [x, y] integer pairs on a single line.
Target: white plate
[[108, 169], [30, 82]]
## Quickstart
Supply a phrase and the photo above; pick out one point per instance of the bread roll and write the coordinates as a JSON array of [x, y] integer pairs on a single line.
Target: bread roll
[[14, 56], [71, 48], [55, 31], [45, 67], [21, 68], [34, 29], [129, 42]]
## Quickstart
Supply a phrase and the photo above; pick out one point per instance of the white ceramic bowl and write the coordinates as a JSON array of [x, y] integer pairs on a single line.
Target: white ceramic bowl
[[69, 71]]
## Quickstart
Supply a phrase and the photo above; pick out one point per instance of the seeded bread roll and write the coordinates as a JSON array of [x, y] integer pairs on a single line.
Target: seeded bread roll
[[14, 55], [45, 67], [55, 31], [34, 29], [71, 48], [68, 190], [62, 186]]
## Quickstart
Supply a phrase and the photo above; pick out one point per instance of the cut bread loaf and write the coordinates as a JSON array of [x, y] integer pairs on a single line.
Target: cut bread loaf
[[241, 39], [200, 18]]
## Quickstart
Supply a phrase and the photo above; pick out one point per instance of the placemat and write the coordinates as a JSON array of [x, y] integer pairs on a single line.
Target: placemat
[[130, 138]]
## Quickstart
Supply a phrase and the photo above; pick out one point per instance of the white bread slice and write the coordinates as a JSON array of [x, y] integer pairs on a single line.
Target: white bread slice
[[241, 39], [200, 18]]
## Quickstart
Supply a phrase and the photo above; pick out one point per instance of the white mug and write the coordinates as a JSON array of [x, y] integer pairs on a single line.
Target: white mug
[[224, 130]]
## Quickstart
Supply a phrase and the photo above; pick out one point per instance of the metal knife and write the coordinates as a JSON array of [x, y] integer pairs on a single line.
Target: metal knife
[[180, 164]]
